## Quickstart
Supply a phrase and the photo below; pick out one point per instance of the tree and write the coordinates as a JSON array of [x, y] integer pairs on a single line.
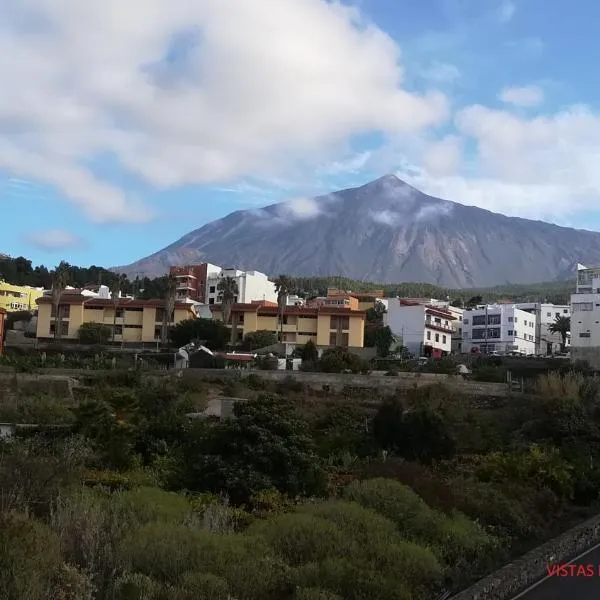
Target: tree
[[94, 333], [283, 286], [60, 278], [337, 360], [259, 339], [417, 434], [229, 290], [115, 292], [169, 307], [309, 353], [208, 332], [474, 301], [266, 445], [562, 326], [383, 341], [457, 303]]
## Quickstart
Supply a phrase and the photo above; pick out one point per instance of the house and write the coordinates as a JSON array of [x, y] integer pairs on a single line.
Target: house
[[425, 327], [546, 314], [365, 300], [252, 285], [585, 316], [18, 297], [137, 321], [2, 323], [192, 280], [328, 325], [499, 328]]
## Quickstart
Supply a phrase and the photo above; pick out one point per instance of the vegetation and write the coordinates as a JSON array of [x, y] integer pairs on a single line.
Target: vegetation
[[95, 333], [301, 495], [284, 285], [208, 332], [562, 326], [258, 339], [228, 289]]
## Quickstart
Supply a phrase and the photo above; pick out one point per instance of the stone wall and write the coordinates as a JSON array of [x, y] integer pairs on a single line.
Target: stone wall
[[530, 568], [338, 382]]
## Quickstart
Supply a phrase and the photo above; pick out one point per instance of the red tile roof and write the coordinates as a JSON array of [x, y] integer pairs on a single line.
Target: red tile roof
[[91, 302], [265, 310]]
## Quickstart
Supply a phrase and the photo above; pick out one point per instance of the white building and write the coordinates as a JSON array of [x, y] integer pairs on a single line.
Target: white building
[[498, 328], [252, 285], [425, 326], [585, 316], [546, 314]]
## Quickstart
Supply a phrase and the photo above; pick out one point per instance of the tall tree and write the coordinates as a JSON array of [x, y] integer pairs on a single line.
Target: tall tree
[[283, 286], [562, 326], [115, 293], [229, 290], [169, 307], [60, 278]]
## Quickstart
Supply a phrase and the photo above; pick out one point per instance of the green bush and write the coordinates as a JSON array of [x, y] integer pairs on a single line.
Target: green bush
[[94, 333]]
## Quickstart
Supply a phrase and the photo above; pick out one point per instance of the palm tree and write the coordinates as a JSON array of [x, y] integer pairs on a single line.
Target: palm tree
[[562, 326], [169, 307], [115, 293], [283, 286], [229, 290], [60, 278]]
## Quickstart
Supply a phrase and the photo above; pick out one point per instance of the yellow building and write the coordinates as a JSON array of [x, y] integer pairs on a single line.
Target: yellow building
[[364, 300], [325, 325], [137, 321], [18, 297]]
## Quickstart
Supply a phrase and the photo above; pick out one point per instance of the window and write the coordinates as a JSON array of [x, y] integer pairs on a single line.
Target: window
[[446, 324], [160, 315], [241, 318], [437, 337], [333, 322], [584, 334], [516, 319], [211, 300], [478, 334], [437, 321], [557, 315], [64, 328], [157, 332], [494, 333], [494, 319], [119, 313], [429, 335], [479, 320], [345, 322], [118, 329], [443, 339], [565, 311], [548, 314], [510, 333], [510, 319], [345, 339], [65, 311], [582, 306], [466, 321], [333, 338], [211, 289], [132, 326]]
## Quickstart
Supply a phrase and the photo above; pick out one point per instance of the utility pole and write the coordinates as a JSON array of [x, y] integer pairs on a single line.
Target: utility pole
[[486, 329]]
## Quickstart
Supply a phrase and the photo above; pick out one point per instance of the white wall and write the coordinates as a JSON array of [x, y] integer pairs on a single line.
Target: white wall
[[585, 320], [517, 329], [252, 285], [546, 314]]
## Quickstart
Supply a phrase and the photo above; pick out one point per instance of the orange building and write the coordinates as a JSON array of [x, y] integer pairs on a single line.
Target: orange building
[[191, 280], [326, 325]]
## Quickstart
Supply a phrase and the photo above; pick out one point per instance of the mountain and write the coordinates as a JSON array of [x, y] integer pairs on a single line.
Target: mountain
[[385, 231]]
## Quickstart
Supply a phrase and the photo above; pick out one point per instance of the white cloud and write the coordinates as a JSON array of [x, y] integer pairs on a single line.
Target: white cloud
[[299, 208], [385, 217], [506, 11], [526, 96], [53, 240], [190, 92], [440, 72], [443, 157]]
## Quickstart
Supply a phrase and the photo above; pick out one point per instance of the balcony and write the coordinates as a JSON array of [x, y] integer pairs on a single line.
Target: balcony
[[438, 327], [186, 285]]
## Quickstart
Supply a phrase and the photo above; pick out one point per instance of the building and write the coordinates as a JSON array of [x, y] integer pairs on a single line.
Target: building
[[2, 322], [323, 325], [252, 286], [425, 325], [546, 342], [18, 297], [366, 300], [585, 316], [192, 280], [499, 328], [137, 321]]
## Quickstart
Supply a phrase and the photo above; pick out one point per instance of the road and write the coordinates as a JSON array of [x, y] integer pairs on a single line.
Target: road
[[569, 588]]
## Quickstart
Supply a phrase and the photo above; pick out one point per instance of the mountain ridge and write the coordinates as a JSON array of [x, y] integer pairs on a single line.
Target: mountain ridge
[[385, 230]]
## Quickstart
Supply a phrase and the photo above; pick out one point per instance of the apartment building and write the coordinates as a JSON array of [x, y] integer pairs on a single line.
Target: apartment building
[[18, 297], [252, 286], [546, 314], [365, 300], [192, 280], [323, 325], [585, 316], [499, 328], [2, 320], [137, 321], [426, 326]]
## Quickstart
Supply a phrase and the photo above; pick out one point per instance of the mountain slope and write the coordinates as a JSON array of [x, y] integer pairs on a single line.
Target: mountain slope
[[383, 231]]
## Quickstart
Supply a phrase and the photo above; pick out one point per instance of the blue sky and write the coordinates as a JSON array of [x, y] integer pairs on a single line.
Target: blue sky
[[110, 151]]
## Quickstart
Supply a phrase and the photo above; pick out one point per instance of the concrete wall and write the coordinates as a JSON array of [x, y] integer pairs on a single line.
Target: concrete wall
[[520, 574], [591, 355]]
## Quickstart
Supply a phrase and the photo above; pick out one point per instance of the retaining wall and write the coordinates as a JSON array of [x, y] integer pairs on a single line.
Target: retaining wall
[[530, 568]]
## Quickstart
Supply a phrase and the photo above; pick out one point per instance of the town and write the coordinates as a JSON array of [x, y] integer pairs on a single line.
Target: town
[[249, 302]]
